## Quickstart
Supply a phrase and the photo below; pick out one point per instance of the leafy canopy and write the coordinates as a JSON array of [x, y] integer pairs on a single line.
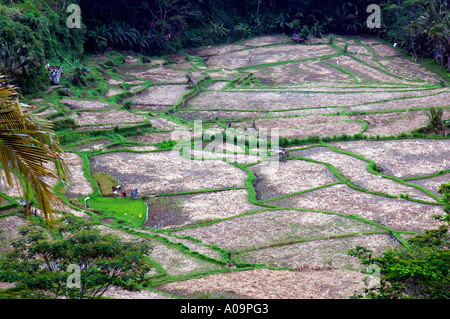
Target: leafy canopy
[[40, 263], [418, 271]]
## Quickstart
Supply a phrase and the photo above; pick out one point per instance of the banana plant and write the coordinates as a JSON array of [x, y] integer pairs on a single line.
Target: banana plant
[[258, 23], [281, 22], [79, 72], [99, 38], [295, 24], [243, 28], [219, 30]]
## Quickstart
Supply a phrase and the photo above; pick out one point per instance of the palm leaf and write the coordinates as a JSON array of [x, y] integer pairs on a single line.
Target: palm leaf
[[27, 143]]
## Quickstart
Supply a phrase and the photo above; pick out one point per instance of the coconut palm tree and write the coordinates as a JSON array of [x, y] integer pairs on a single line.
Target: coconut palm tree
[[434, 24], [441, 34], [28, 145]]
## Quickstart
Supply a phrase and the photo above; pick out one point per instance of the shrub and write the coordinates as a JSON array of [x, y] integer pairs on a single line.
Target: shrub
[[346, 48], [418, 271], [79, 73], [435, 117], [331, 38], [166, 144], [128, 104], [64, 124], [243, 29]]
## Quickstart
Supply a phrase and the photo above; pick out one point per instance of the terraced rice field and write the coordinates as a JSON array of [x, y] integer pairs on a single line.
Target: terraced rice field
[[231, 219]]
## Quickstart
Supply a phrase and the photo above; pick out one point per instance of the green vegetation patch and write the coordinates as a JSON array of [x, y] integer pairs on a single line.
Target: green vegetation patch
[[131, 210]]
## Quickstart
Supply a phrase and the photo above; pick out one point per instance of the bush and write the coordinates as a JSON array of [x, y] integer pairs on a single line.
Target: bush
[[28, 33], [418, 272], [64, 124], [128, 104], [79, 74], [346, 47], [331, 38]]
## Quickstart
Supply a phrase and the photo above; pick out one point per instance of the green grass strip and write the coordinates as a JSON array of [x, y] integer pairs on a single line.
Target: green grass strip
[[134, 211], [441, 172]]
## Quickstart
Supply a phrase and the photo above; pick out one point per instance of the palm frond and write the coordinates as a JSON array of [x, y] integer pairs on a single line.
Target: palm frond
[[27, 143]]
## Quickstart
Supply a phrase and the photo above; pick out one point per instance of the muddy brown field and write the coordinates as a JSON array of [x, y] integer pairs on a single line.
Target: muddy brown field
[[159, 96], [395, 213], [162, 172], [112, 116], [294, 73], [267, 54], [269, 101]]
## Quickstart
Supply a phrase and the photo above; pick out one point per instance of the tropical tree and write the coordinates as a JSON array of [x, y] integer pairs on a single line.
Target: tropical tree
[[98, 38], [170, 16], [441, 34], [81, 262], [258, 23], [434, 25], [27, 145], [281, 22], [122, 36], [420, 270], [344, 17]]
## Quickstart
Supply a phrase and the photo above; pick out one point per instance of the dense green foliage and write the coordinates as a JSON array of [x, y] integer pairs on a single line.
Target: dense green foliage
[[39, 262], [167, 25], [31, 30], [418, 271]]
